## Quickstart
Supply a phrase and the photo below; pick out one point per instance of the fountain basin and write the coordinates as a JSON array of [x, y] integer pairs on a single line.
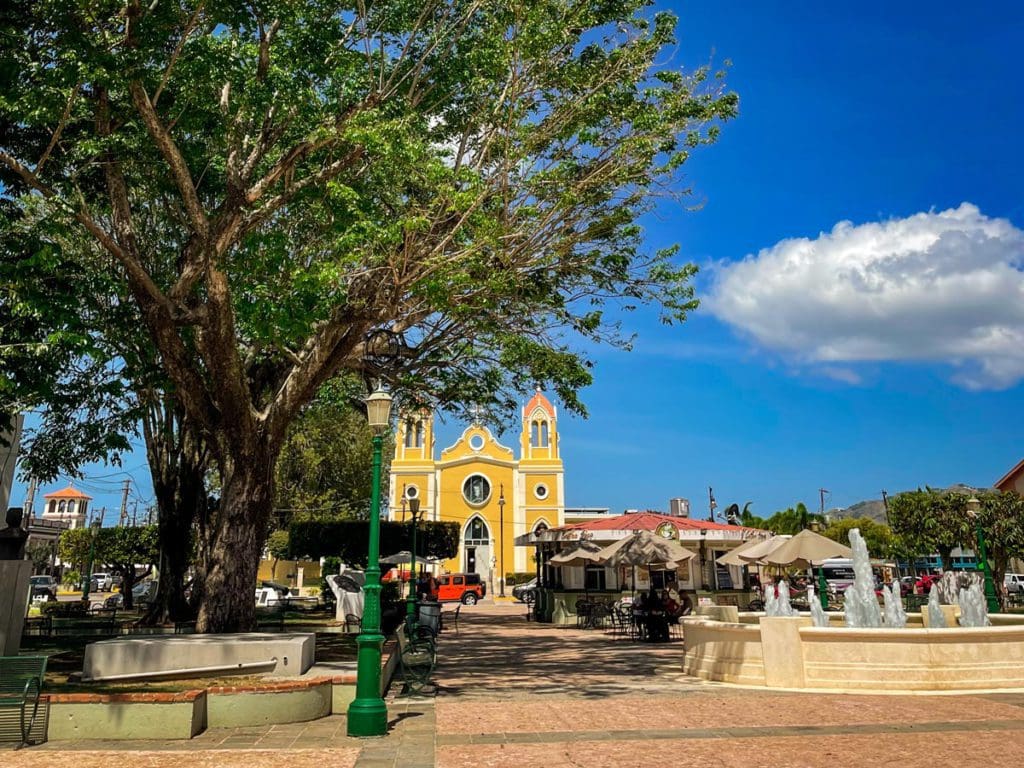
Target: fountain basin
[[786, 652]]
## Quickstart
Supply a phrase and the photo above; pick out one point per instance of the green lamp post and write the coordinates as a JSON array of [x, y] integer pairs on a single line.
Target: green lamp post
[[410, 606], [973, 508], [94, 529], [817, 527], [368, 714]]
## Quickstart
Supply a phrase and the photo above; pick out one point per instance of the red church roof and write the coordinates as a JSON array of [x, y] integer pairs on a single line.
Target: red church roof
[[68, 493], [538, 399], [649, 521]]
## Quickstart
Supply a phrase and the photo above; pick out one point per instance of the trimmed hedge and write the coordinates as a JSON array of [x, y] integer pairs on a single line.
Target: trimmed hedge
[[349, 539]]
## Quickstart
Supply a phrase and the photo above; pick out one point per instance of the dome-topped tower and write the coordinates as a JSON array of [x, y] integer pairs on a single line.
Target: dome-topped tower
[[539, 439], [69, 506]]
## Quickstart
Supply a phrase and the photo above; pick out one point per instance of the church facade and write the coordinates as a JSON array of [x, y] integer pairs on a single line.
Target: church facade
[[480, 484]]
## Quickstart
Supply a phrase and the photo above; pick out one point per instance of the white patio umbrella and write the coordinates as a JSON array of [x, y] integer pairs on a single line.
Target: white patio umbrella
[[755, 555], [584, 553], [734, 556], [805, 549], [645, 549]]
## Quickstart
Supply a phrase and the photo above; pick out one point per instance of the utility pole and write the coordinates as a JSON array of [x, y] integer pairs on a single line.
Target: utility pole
[[30, 500], [885, 503], [135, 513], [821, 506], [711, 504], [123, 519]]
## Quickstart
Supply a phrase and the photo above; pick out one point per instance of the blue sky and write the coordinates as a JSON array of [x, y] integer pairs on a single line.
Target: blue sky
[[884, 354]]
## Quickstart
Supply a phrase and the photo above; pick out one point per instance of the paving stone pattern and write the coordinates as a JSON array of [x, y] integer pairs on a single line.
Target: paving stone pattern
[[514, 693]]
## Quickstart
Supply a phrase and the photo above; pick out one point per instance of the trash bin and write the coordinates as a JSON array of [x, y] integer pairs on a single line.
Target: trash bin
[[430, 616]]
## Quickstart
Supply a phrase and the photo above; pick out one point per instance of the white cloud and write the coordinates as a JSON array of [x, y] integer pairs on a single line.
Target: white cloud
[[943, 287]]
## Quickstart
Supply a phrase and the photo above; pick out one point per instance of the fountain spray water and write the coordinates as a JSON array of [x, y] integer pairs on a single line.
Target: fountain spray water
[[973, 607], [895, 616], [936, 618], [861, 604], [782, 606], [818, 615], [769, 600]]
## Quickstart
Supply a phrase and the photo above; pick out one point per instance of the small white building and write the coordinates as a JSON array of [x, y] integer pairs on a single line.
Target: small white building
[[68, 506]]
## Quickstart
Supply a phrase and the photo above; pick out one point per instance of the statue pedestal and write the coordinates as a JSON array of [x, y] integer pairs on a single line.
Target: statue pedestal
[[14, 589]]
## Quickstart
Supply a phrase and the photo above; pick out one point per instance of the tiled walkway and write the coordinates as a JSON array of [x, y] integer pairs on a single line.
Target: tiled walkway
[[512, 693]]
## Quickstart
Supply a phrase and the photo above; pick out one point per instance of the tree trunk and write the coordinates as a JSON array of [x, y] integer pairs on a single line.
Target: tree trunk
[[127, 584], [178, 466], [946, 554], [234, 537]]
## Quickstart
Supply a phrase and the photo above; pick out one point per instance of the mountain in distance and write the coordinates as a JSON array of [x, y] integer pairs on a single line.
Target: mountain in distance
[[875, 509]]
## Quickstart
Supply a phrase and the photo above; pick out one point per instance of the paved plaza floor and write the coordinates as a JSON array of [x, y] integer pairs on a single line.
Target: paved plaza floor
[[514, 693]]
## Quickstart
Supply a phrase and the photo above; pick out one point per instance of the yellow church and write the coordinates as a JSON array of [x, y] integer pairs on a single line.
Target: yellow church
[[481, 485]]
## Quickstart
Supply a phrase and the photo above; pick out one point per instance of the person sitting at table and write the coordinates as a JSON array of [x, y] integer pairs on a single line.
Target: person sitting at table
[[641, 613], [671, 606]]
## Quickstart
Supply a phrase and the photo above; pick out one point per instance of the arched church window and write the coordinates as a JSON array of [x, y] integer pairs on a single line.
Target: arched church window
[[543, 434], [410, 433], [62, 507], [477, 532], [419, 434]]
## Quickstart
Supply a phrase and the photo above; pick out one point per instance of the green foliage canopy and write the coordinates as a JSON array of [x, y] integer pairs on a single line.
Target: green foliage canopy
[[121, 548], [877, 536]]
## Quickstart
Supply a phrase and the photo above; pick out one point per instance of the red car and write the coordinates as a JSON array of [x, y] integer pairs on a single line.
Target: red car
[[465, 587], [924, 584]]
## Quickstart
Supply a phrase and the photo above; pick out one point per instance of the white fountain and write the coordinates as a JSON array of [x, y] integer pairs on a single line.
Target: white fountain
[[974, 607], [861, 604], [781, 649], [936, 618], [895, 616], [818, 615], [780, 606]]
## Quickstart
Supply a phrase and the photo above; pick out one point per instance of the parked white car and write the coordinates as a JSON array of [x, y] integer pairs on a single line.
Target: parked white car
[[1014, 582], [104, 581]]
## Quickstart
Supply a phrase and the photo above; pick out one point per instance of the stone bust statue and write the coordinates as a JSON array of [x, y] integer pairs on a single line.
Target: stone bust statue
[[13, 538]]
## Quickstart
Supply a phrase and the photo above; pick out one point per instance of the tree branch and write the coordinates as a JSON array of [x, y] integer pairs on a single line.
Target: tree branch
[[172, 155]]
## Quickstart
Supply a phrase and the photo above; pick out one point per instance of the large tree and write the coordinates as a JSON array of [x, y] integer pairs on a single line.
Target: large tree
[[123, 549], [930, 520], [464, 176]]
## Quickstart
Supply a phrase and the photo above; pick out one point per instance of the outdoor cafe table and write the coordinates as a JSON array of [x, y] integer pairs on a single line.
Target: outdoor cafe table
[[653, 625]]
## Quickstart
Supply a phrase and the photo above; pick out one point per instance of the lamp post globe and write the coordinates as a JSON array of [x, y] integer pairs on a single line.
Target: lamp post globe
[[973, 508], [368, 714]]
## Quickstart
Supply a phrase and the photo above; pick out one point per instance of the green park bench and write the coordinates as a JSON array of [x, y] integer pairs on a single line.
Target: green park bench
[[100, 621], [417, 657], [21, 682]]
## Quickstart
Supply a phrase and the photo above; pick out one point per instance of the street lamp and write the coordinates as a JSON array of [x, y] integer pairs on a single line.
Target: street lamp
[[94, 529], [973, 508], [501, 538], [410, 606], [368, 714]]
